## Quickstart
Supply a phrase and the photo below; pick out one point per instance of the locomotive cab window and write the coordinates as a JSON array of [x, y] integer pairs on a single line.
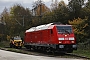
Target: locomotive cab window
[[64, 29]]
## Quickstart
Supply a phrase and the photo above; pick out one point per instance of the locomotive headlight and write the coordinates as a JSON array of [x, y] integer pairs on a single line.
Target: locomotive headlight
[[72, 41], [60, 42], [71, 38], [60, 38]]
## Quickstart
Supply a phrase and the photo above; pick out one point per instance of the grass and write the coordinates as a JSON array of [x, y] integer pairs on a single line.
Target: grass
[[82, 52], [4, 43], [17, 50]]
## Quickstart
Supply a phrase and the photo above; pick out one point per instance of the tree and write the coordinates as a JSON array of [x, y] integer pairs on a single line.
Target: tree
[[48, 18], [87, 10], [80, 29], [75, 7], [5, 22], [88, 4], [21, 19], [39, 9], [5, 16], [60, 14]]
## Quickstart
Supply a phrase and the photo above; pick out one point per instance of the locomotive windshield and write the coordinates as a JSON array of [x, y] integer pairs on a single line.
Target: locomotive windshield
[[64, 29]]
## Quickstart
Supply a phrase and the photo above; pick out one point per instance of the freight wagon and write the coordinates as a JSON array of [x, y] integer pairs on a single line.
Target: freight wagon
[[51, 37]]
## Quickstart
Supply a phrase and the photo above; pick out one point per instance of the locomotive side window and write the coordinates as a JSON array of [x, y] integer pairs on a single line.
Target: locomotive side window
[[64, 29]]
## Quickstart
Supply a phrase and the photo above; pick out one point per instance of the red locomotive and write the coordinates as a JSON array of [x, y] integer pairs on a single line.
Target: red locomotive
[[51, 37]]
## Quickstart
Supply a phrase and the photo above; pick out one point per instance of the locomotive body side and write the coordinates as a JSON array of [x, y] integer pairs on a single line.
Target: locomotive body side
[[52, 38], [40, 38]]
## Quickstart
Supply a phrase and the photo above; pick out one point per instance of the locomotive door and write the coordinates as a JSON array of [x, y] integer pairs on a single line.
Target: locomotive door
[[38, 37]]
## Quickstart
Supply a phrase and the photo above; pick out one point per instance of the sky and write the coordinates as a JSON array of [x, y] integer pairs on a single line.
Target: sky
[[24, 3]]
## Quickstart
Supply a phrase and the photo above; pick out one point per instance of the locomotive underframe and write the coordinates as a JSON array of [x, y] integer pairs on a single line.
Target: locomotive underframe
[[55, 47]]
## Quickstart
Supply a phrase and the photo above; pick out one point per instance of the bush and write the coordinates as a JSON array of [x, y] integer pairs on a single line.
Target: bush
[[84, 45]]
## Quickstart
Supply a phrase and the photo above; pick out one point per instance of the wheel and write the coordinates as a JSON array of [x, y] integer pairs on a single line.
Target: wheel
[[48, 50], [28, 47]]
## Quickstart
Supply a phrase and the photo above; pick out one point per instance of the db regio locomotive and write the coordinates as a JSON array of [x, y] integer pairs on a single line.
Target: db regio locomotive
[[51, 37]]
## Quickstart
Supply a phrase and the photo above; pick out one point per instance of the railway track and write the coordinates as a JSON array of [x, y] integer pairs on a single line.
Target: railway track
[[43, 53], [57, 54]]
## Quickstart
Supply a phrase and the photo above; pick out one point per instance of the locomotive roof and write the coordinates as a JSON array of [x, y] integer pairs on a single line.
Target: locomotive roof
[[43, 27]]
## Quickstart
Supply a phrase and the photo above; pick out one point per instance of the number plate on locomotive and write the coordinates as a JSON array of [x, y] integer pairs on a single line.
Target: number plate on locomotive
[[61, 46]]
